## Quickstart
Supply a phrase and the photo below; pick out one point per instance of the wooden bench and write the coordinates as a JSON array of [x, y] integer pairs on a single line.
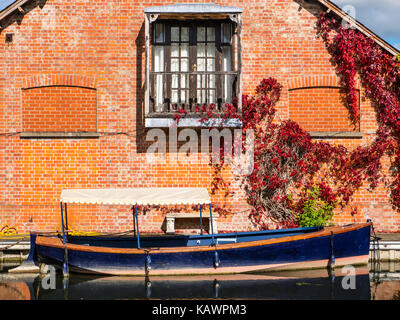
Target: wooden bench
[[177, 215]]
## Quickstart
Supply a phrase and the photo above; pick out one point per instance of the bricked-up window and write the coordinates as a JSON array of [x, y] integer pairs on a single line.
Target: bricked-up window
[[60, 109], [320, 109], [193, 59]]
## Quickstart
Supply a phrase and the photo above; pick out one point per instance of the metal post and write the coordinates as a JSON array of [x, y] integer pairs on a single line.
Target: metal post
[[212, 228], [137, 227], [65, 262], [134, 221], [201, 222], [66, 217], [332, 256]]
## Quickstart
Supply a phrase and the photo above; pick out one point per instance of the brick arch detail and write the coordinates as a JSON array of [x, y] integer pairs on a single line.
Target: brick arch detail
[[316, 81], [315, 102], [45, 80]]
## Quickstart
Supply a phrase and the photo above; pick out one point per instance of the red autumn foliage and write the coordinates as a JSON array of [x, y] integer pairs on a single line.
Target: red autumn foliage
[[379, 72], [287, 162]]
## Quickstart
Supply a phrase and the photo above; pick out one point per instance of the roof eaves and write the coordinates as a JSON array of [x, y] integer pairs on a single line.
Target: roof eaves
[[12, 7]]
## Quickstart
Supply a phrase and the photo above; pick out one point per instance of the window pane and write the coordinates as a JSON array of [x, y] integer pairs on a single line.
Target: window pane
[[199, 100], [184, 65], [185, 34], [183, 81], [175, 34], [210, 65], [201, 64], [184, 50], [159, 92], [174, 98], [201, 96], [210, 34], [158, 58], [201, 34], [226, 59], [159, 67], [183, 96], [174, 64], [174, 81], [227, 66], [174, 50], [201, 50], [159, 33], [211, 81], [226, 33], [211, 96], [211, 50]]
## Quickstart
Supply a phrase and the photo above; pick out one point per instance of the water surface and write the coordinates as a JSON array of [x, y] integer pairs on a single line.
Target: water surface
[[367, 284]]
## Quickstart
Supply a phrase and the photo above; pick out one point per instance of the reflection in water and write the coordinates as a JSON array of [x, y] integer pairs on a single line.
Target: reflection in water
[[301, 285]]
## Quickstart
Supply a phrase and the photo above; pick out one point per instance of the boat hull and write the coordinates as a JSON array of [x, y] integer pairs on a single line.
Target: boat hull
[[344, 245]]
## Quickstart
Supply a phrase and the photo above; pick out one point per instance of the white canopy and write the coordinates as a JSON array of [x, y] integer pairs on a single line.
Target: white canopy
[[139, 196]]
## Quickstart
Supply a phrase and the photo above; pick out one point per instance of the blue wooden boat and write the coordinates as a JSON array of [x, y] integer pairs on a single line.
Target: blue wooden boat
[[193, 254]]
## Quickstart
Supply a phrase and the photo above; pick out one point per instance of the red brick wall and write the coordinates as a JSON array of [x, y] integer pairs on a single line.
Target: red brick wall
[[100, 45], [319, 109], [56, 108]]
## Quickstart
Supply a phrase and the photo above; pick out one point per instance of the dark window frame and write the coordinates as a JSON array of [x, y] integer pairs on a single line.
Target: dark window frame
[[190, 105]]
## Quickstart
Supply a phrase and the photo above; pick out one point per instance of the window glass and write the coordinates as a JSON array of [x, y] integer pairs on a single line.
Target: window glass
[[210, 34], [185, 34], [159, 33], [175, 34], [206, 63], [159, 67], [227, 66], [201, 34], [226, 33]]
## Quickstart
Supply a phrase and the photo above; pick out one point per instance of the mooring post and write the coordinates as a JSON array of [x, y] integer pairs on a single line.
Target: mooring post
[[65, 262], [201, 222], [134, 221], [332, 257], [216, 257], [212, 228], [137, 227], [66, 217], [147, 286]]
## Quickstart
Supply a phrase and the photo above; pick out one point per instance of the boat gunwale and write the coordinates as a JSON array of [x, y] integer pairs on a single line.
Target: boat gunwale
[[46, 241], [117, 237]]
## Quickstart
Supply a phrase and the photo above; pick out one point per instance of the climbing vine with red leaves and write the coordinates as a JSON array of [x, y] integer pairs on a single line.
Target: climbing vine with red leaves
[[379, 72], [288, 163]]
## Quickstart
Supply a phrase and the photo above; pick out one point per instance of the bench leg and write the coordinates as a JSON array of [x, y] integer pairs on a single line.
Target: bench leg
[[170, 225]]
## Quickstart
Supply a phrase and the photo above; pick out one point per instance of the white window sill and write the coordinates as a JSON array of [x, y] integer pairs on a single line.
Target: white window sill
[[192, 123]]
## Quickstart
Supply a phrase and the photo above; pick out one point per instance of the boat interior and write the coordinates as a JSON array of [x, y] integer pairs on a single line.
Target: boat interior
[[182, 240]]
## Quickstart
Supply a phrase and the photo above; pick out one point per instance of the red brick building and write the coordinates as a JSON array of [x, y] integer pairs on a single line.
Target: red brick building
[[83, 82]]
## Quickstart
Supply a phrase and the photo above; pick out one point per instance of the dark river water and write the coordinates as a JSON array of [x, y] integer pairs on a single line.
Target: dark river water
[[362, 283]]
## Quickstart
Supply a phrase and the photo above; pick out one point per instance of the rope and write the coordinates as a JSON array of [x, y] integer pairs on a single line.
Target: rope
[[10, 233], [5, 229]]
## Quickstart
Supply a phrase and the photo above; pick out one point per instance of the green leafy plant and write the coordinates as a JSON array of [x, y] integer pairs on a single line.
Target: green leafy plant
[[316, 210]]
